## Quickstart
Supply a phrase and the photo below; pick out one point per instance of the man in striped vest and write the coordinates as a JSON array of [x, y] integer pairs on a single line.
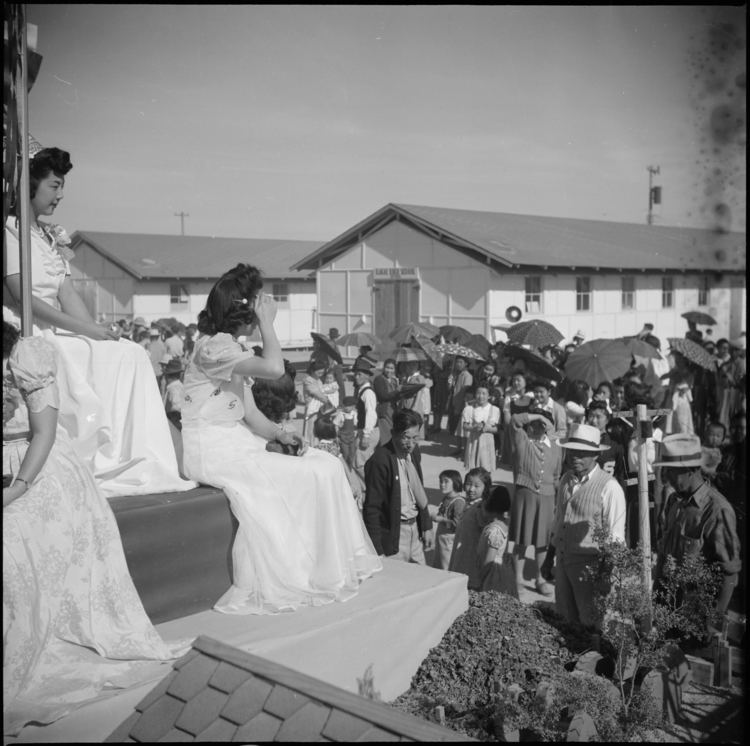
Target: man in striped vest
[[588, 498]]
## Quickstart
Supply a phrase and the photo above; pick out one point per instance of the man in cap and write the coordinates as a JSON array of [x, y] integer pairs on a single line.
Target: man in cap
[[587, 499], [368, 433], [139, 324], [578, 338], [697, 518], [396, 509]]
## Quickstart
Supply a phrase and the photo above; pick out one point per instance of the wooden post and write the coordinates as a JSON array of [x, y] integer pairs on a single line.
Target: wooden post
[[645, 527]]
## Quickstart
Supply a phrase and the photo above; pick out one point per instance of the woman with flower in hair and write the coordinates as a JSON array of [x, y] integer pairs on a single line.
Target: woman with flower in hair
[[110, 405], [301, 539]]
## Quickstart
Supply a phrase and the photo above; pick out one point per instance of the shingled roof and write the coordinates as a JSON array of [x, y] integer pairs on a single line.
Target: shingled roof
[[219, 693], [505, 240], [152, 256]]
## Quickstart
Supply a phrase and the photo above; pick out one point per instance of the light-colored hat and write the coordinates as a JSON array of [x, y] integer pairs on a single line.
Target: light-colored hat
[[680, 450], [573, 409], [584, 438], [579, 335], [740, 343], [139, 321], [154, 332]]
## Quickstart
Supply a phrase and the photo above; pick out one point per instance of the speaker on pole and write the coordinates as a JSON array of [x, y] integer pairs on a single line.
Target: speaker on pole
[[513, 314]]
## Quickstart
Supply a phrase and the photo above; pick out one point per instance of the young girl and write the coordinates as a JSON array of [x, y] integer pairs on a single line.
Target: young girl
[[477, 486], [326, 439], [480, 423], [313, 394], [495, 567], [447, 517], [331, 388]]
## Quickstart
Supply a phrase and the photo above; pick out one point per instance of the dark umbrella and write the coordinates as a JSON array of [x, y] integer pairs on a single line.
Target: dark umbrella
[[479, 344], [456, 334], [457, 350], [412, 330], [409, 355], [430, 349], [599, 360], [327, 346], [358, 339], [693, 352], [534, 363], [641, 347], [537, 333], [698, 317]]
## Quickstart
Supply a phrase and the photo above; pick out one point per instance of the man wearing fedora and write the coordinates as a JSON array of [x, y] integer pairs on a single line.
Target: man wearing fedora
[[368, 433], [587, 499], [697, 518]]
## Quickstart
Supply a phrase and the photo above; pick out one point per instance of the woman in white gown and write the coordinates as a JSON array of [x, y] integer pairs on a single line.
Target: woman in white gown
[[74, 628], [109, 401], [301, 539]]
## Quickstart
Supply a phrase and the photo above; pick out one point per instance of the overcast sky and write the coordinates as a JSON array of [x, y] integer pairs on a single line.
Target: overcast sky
[[291, 121]]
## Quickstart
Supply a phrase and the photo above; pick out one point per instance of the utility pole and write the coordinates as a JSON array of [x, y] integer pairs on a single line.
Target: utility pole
[[182, 216], [654, 193]]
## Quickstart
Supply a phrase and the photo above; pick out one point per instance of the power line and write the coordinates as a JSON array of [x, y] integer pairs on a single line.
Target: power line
[[182, 216]]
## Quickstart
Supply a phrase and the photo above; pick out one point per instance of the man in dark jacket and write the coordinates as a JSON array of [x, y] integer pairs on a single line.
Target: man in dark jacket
[[395, 510]]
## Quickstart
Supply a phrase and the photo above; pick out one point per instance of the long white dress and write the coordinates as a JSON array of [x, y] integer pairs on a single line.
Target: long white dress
[[74, 628], [301, 539], [110, 404]]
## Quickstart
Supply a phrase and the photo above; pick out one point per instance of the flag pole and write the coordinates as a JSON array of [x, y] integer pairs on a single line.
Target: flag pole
[[22, 198]]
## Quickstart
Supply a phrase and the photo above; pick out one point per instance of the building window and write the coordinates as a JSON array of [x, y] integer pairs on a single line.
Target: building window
[[533, 295], [280, 292], [703, 290], [583, 293], [178, 297], [667, 292], [628, 293]]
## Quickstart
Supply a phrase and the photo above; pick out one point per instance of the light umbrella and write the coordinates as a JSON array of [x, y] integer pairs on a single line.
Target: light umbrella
[[698, 317], [534, 362], [599, 360], [430, 349], [456, 334], [412, 330], [456, 350], [358, 339], [537, 333], [409, 355], [693, 352]]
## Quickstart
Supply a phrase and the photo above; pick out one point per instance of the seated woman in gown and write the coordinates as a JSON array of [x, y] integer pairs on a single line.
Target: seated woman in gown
[[109, 401], [301, 539], [73, 624]]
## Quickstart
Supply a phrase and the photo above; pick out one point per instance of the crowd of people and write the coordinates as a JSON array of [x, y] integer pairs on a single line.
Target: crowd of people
[[87, 408]]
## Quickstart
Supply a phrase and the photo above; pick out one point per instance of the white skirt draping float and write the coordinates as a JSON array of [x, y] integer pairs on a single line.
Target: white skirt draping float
[[301, 539]]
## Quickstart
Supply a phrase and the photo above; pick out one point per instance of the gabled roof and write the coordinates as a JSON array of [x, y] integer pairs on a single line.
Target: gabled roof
[[152, 256], [521, 241], [219, 693]]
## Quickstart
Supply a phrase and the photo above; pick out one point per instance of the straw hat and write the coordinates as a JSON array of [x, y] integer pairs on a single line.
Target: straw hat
[[680, 450], [139, 321], [584, 438]]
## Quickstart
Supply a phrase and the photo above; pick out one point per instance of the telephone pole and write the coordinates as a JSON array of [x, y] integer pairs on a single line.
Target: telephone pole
[[654, 193], [182, 216]]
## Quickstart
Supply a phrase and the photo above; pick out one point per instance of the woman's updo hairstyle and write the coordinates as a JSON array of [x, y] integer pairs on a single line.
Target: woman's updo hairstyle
[[47, 161], [10, 337], [229, 305]]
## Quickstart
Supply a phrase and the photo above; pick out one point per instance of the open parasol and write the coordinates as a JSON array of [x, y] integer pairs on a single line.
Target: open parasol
[[409, 389], [693, 352], [430, 349], [358, 339], [641, 347], [537, 333], [456, 334], [412, 330], [533, 362], [410, 355], [327, 346], [480, 344], [599, 360], [698, 317], [456, 350]]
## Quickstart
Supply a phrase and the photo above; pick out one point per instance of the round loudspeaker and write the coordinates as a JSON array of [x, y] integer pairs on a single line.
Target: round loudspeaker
[[513, 314]]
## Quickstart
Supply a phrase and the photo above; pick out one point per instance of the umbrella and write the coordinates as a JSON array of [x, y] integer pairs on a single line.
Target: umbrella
[[698, 317], [451, 348], [409, 355], [456, 334], [537, 333], [641, 347], [599, 360], [535, 363], [413, 329], [693, 352], [409, 389], [430, 349], [358, 339], [479, 344], [327, 346]]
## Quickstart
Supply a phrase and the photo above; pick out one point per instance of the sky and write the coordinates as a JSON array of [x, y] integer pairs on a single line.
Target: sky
[[299, 121]]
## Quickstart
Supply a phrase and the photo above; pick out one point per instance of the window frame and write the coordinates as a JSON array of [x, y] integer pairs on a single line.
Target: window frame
[[182, 295], [280, 297], [530, 294], [584, 295], [627, 293], [667, 291]]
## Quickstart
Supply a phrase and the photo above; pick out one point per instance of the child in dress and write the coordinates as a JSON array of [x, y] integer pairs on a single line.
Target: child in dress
[[477, 486], [495, 566], [447, 516], [331, 388], [480, 423]]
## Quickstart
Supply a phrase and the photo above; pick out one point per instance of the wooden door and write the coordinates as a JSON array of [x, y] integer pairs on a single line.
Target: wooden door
[[395, 302]]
